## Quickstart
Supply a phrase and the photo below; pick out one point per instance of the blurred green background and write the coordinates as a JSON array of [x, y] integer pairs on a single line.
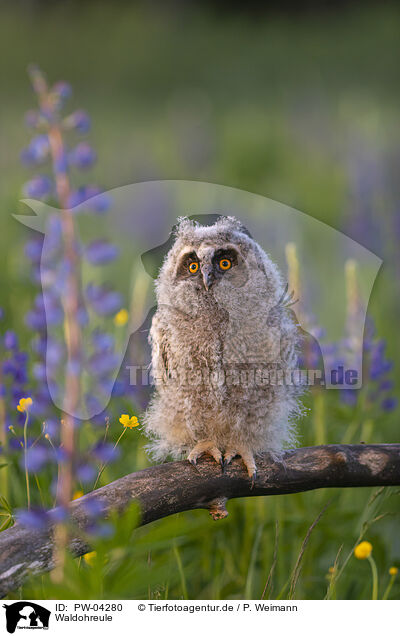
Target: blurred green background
[[301, 107]]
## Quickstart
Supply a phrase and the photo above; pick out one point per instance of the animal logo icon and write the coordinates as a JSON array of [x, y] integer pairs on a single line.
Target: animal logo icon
[[26, 615]]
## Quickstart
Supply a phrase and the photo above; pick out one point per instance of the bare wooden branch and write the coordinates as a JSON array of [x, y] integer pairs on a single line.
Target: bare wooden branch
[[177, 486]]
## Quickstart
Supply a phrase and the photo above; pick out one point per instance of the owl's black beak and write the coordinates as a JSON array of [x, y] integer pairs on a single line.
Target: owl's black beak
[[208, 277]]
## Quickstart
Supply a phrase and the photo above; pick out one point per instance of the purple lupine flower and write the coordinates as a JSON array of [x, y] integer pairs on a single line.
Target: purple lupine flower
[[42, 402], [48, 311], [62, 89], [82, 315], [94, 405], [74, 366], [389, 404], [104, 530], [60, 164], [378, 364], [119, 389], [55, 352], [39, 345], [386, 385], [93, 198], [35, 319], [53, 240], [103, 363], [349, 397], [58, 515], [61, 455], [54, 309], [38, 187], [79, 120], [35, 518], [98, 201], [10, 340], [104, 300], [77, 197], [33, 249], [36, 459], [101, 252], [21, 358], [82, 156], [102, 341], [105, 452], [93, 507], [37, 152], [39, 371], [52, 427], [15, 443], [86, 473], [16, 367]]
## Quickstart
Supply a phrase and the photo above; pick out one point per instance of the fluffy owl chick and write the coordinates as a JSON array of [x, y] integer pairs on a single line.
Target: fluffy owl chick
[[222, 340]]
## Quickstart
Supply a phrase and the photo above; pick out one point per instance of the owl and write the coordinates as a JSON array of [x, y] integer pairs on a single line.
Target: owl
[[224, 346]]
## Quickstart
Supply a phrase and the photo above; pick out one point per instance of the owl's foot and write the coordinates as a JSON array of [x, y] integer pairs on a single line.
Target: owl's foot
[[206, 446], [248, 460]]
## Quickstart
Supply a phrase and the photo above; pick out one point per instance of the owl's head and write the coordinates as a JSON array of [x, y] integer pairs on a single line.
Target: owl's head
[[206, 261]]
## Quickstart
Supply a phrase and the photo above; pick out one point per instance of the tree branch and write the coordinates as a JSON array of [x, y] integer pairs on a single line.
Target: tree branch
[[177, 486]]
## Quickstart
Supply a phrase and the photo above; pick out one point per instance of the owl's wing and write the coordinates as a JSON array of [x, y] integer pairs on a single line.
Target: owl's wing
[[160, 361], [299, 348]]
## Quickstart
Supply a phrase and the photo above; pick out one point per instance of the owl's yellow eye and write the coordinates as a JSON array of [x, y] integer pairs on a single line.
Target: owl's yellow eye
[[193, 267], [225, 263]]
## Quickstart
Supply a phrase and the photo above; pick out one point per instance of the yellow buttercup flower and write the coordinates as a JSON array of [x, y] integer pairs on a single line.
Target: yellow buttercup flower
[[89, 557], [129, 422], [363, 550], [77, 495], [121, 318], [393, 571], [24, 404]]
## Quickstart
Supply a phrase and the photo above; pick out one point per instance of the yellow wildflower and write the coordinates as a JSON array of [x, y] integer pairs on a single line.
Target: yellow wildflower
[[24, 404], [129, 422], [363, 550], [77, 495], [121, 318], [89, 557], [393, 570]]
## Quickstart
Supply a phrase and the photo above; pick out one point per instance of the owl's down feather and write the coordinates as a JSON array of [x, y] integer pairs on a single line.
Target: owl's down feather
[[222, 342]]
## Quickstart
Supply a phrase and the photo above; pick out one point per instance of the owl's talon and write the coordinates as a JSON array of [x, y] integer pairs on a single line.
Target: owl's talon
[[253, 479], [205, 447], [248, 460], [229, 456], [223, 463]]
